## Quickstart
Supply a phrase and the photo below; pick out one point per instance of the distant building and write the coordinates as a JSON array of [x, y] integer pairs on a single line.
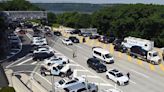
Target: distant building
[[89, 30], [25, 15]]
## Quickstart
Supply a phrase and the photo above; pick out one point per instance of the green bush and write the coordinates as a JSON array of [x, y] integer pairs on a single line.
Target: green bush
[[7, 89]]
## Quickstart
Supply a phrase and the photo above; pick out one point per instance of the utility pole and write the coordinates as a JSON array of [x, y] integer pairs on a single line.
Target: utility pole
[[53, 86]]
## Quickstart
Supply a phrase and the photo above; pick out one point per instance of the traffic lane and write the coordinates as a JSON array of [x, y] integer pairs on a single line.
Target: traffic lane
[[138, 70], [82, 61], [123, 69], [26, 47]]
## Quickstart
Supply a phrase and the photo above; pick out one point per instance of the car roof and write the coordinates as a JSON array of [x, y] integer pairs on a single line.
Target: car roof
[[103, 51], [114, 71], [93, 59], [76, 87]]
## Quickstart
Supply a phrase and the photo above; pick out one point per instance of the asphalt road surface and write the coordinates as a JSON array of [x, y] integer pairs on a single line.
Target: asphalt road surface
[[143, 76]]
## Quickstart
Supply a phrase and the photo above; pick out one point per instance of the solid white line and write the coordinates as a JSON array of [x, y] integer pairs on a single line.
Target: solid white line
[[90, 76], [80, 70], [72, 64], [132, 82], [139, 73], [15, 62], [24, 61], [34, 63], [104, 84]]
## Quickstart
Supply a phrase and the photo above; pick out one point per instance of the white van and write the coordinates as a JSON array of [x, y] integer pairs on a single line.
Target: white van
[[102, 54]]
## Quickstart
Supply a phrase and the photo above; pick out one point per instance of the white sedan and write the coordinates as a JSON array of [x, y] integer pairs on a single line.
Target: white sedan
[[117, 77], [54, 60], [67, 41], [43, 50], [65, 82]]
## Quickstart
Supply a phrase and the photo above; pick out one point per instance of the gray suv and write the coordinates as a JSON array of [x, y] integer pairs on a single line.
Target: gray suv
[[82, 87]]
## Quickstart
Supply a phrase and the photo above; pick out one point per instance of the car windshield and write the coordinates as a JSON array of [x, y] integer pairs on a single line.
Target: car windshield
[[61, 82], [108, 56], [155, 54], [119, 75], [67, 40]]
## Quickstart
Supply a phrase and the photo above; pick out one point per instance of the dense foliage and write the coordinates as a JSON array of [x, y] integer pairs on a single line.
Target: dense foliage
[[17, 5], [7, 89], [138, 20]]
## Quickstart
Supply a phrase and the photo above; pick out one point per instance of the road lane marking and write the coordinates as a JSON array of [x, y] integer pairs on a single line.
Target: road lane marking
[[129, 58], [139, 62], [33, 63], [119, 54], [72, 65], [15, 62], [139, 73], [132, 82], [162, 67], [89, 76], [24, 61], [111, 50], [151, 67]]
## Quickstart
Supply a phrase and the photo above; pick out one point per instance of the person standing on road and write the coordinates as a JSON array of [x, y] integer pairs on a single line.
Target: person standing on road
[[128, 75], [84, 40]]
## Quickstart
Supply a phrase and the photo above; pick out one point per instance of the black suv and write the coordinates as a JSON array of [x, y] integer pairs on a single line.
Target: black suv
[[74, 39], [96, 65], [121, 48], [57, 33], [41, 56], [75, 31]]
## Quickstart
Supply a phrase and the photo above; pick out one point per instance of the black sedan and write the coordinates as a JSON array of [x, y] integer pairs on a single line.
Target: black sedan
[[57, 33], [96, 65], [74, 39]]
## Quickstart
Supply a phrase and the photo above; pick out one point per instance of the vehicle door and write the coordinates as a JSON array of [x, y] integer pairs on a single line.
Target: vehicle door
[[112, 76], [103, 57], [55, 71]]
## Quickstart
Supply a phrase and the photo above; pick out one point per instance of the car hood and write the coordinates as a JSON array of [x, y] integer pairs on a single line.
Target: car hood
[[65, 68], [123, 78], [157, 58]]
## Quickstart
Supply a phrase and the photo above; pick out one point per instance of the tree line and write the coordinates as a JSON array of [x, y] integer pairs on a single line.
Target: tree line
[[138, 20]]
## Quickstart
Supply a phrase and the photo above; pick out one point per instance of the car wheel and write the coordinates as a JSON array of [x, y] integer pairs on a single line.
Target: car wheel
[[152, 62], [107, 76], [64, 62], [97, 70], [62, 75], [43, 73], [118, 83]]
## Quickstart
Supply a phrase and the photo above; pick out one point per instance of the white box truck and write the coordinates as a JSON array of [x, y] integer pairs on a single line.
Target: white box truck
[[141, 48]]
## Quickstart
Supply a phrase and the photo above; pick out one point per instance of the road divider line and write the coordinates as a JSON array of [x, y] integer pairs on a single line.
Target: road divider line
[[119, 54], [24, 61], [111, 50], [139, 62], [129, 58], [140, 73], [33, 63], [132, 82], [161, 67], [89, 76], [15, 62], [151, 67]]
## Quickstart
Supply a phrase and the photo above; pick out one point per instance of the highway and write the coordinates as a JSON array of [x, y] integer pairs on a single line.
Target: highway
[[144, 77]]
